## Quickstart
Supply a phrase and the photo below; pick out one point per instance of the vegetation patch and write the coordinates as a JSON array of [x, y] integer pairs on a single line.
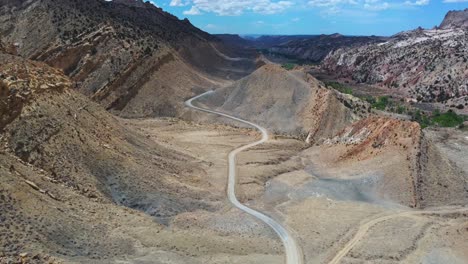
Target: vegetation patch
[[288, 66], [436, 118], [340, 87]]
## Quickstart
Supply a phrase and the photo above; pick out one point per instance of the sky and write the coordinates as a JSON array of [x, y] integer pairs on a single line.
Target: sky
[[293, 17]]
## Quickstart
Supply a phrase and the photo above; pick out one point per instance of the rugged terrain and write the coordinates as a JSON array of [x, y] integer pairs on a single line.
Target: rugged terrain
[[288, 102], [302, 48], [455, 19], [317, 48], [81, 185], [121, 53], [420, 65]]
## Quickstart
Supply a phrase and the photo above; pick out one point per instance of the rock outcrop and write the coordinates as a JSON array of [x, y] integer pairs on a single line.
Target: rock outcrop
[[403, 163], [455, 19], [422, 65]]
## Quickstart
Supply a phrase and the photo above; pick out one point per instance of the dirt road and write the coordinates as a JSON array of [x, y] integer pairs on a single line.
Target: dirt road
[[292, 250]]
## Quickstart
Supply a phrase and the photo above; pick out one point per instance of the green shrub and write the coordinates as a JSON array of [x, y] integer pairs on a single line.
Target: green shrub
[[381, 103], [288, 66], [340, 87], [401, 109], [423, 120], [448, 119]]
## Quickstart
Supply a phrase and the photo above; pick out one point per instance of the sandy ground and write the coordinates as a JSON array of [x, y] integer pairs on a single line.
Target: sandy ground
[[335, 219], [335, 211]]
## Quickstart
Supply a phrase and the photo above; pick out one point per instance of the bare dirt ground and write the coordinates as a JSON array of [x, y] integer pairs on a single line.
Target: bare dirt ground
[[337, 216], [336, 211]]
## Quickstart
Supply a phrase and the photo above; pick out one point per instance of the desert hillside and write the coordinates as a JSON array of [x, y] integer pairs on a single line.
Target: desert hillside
[[80, 185], [101, 161], [121, 53], [290, 102], [405, 163]]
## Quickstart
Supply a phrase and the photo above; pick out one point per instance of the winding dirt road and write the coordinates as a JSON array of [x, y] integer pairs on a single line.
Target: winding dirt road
[[364, 228], [292, 250]]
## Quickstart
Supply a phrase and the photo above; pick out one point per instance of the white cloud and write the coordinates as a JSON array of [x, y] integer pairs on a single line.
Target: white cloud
[[331, 3], [376, 5], [192, 11], [178, 3], [238, 7], [211, 26], [330, 7], [418, 2]]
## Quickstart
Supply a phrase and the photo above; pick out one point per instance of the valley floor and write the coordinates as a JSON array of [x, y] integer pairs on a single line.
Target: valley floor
[[339, 219]]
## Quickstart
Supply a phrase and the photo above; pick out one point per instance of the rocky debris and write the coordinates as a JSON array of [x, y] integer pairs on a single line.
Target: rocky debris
[[368, 135], [2, 47], [420, 65], [360, 108], [22, 81], [455, 19], [33, 185]]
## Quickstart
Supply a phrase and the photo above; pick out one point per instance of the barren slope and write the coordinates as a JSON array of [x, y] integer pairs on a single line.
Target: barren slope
[[291, 102], [79, 185], [120, 52]]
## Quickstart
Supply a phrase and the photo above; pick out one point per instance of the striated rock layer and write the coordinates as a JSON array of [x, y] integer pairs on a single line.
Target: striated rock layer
[[121, 53]]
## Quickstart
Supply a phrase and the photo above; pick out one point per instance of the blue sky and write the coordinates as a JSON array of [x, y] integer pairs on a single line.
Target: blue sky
[[350, 17]]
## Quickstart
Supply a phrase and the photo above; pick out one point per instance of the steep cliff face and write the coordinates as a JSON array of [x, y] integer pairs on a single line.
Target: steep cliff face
[[455, 19], [425, 65], [120, 52]]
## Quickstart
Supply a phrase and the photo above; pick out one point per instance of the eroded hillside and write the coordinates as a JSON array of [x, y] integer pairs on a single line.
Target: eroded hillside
[[121, 53], [80, 185], [315, 49], [289, 102], [420, 65]]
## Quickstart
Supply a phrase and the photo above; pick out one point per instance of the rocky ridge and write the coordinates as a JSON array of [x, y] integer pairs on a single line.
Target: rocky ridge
[[317, 48], [420, 65], [120, 53], [455, 19], [294, 103]]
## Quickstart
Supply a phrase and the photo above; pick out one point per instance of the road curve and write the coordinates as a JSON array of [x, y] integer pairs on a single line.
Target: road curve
[[292, 250]]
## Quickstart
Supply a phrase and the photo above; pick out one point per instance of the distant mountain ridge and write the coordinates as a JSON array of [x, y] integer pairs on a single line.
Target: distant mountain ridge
[[311, 48], [315, 49], [421, 65]]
